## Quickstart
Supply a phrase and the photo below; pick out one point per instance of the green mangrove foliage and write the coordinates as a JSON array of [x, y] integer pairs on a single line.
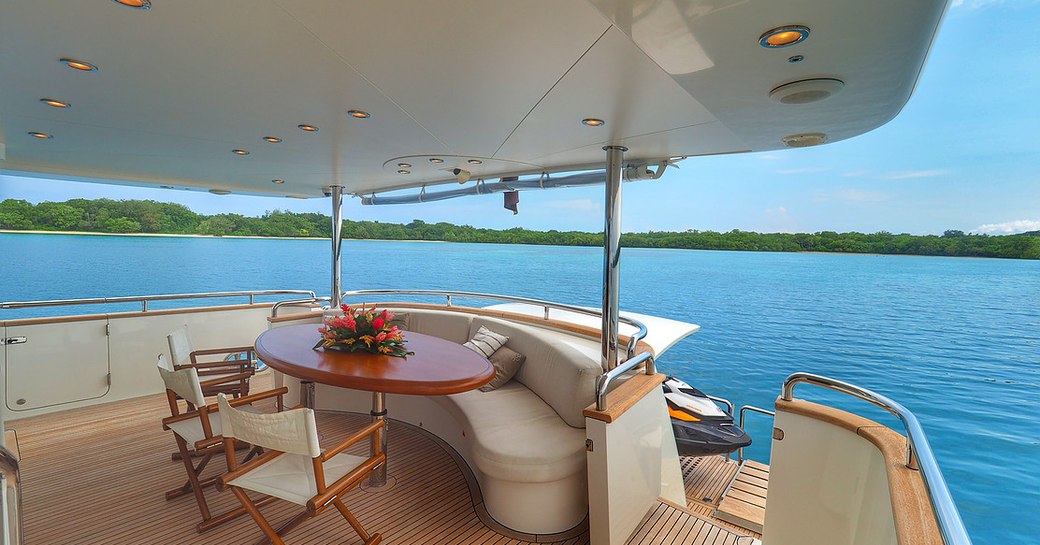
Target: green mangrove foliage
[[109, 216]]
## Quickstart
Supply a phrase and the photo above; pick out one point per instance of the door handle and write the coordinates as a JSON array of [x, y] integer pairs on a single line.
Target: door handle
[[13, 340]]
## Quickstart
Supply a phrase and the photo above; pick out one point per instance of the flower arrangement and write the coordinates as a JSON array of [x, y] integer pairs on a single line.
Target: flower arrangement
[[363, 330]]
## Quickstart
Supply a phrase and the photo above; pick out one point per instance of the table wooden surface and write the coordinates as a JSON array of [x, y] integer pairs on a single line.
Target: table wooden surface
[[438, 367]]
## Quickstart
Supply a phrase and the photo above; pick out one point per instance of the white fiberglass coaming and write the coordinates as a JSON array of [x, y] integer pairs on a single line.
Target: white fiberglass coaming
[[181, 85]]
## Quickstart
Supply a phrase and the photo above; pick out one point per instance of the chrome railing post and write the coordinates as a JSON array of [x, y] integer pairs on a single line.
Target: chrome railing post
[[337, 245], [11, 492], [611, 256]]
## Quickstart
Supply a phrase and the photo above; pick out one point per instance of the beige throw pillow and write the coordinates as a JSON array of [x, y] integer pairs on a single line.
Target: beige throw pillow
[[507, 363], [485, 342]]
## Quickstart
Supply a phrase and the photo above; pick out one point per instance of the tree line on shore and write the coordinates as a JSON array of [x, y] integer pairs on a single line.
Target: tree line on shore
[[137, 216]]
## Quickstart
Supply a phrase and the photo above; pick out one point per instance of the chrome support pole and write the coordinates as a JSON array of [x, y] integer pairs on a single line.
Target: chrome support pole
[[307, 394], [611, 257], [378, 442], [337, 243]]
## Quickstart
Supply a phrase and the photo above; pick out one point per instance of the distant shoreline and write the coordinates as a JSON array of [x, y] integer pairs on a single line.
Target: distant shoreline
[[185, 235]]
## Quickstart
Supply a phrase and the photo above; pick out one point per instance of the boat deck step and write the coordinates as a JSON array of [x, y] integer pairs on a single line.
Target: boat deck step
[[744, 501], [669, 524]]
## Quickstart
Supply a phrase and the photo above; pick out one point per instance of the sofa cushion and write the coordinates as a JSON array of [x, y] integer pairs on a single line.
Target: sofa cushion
[[506, 362], [558, 373], [517, 437], [452, 326]]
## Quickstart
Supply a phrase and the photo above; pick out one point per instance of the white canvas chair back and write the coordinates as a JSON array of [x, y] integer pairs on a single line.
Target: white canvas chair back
[[181, 346], [184, 382], [292, 431]]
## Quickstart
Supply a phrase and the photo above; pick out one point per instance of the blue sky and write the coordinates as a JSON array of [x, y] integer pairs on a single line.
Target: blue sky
[[962, 155]]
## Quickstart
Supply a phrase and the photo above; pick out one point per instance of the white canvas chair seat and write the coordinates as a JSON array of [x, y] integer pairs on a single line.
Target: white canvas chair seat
[[191, 430], [291, 476]]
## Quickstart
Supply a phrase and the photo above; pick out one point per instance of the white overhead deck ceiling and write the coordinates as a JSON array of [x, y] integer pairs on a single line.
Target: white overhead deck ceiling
[[506, 82]]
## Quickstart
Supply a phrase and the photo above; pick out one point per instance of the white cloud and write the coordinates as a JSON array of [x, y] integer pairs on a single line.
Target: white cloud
[[855, 173], [907, 174], [1009, 227], [768, 157]]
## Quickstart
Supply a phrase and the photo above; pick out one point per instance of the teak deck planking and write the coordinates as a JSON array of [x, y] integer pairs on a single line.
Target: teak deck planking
[[97, 475], [744, 502]]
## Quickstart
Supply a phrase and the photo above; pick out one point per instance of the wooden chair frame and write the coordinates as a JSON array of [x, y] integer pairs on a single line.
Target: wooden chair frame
[[326, 494], [207, 447], [243, 370]]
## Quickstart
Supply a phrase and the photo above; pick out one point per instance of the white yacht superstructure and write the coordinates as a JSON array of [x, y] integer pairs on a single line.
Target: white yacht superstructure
[[312, 98]]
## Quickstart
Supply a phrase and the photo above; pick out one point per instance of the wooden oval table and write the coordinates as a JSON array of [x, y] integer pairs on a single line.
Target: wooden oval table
[[438, 367]]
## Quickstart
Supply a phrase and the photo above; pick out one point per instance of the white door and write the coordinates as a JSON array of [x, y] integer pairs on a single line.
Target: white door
[[53, 363]]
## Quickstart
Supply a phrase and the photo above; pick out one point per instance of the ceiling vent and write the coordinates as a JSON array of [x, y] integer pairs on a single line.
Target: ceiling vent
[[806, 90]]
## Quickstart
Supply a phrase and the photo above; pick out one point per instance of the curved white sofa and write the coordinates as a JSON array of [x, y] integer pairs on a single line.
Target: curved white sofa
[[526, 439]]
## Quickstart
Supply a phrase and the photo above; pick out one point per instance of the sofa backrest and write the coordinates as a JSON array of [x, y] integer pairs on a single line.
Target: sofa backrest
[[562, 376], [451, 326]]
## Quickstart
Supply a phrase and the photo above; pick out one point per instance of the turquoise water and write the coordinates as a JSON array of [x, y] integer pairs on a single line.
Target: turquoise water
[[955, 340]]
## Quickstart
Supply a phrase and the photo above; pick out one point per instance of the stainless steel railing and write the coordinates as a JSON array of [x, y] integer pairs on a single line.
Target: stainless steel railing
[[144, 299], [11, 503], [297, 302], [919, 454], [633, 339], [604, 380], [740, 423]]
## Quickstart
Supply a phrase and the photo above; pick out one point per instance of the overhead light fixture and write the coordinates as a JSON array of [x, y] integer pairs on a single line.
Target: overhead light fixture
[[474, 161], [784, 36], [55, 102], [806, 90], [804, 140], [279, 181], [78, 65], [272, 139], [593, 122], [40, 135], [220, 191], [404, 165], [308, 128], [136, 4], [358, 114], [796, 58], [403, 171], [436, 161], [240, 152]]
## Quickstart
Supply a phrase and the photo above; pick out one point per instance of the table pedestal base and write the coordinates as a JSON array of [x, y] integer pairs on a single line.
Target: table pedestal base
[[378, 442]]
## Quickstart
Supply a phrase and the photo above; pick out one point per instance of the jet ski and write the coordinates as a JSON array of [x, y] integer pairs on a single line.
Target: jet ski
[[701, 428]]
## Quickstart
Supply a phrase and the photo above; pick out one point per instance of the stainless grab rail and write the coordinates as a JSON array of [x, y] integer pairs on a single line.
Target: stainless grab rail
[[633, 339], [296, 302], [918, 452], [604, 380], [144, 299], [11, 481], [740, 423]]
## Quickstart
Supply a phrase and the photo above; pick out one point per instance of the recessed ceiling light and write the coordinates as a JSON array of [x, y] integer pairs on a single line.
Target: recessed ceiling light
[[403, 171], [404, 165], [240, 152], [55, 102], [272, 139], [358, 114], [40, 135], [436, 161], [166, 187], [593, 122], [278, 181], [796, 58], [804, 140], [474, 161], [78, 65], [137, 4], [784, 36], [220, 191], [308, 128]]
